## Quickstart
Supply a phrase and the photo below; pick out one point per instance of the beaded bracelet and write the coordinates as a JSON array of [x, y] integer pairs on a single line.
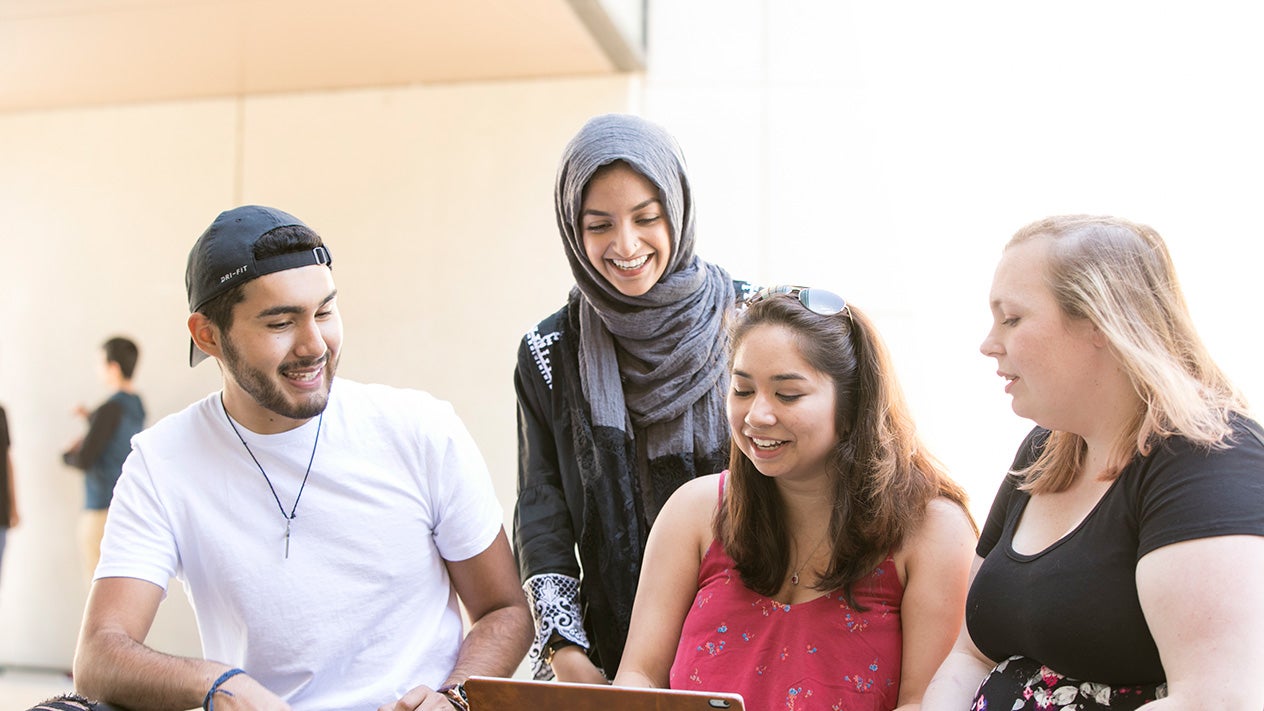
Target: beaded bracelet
[[456, 696], [208, 702]]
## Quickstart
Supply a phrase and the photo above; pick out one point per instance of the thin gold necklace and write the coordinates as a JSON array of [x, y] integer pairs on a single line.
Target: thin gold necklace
[[293, 509], [794, 579]]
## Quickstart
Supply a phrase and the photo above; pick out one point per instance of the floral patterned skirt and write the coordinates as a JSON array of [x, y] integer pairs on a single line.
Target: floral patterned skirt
[[1022, 684]]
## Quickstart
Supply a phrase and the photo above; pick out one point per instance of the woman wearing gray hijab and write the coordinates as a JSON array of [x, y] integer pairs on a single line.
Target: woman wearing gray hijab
[[620, 393]]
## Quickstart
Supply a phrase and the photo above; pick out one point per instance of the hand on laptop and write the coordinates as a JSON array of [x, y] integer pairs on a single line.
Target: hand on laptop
[[572, 664], [420, 698]]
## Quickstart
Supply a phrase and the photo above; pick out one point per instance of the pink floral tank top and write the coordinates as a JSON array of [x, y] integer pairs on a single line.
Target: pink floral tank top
[[819, 654]]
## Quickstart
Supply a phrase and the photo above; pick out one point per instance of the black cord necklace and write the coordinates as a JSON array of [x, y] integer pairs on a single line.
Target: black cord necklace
[[290, 516]]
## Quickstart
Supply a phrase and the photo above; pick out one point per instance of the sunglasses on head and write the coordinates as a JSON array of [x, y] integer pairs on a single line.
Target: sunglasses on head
[[818, 301]]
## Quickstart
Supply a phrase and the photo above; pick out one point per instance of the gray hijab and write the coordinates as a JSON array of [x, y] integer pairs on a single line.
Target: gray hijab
[[656, 362]]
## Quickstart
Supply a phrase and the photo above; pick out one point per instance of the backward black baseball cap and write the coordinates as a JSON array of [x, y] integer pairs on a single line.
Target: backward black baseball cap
[[224, 257]]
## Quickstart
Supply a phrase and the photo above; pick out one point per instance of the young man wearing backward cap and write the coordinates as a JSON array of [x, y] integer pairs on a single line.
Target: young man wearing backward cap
[[324, 529]]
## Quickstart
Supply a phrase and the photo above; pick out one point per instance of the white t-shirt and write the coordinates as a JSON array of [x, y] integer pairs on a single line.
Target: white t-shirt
[[362, 609]]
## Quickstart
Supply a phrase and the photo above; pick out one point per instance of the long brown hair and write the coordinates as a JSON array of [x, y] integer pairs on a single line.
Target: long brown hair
[[1119, 276], [883, 477]]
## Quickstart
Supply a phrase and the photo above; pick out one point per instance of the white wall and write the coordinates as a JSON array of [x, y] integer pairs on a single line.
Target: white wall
[[889, 150], [885, 150]]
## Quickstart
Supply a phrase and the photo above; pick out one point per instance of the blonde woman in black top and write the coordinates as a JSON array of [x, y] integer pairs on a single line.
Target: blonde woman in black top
[[1122, 565]]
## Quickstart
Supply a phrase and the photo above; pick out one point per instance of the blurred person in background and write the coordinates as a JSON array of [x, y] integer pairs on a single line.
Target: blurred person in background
[[101, 451], [8, 492]]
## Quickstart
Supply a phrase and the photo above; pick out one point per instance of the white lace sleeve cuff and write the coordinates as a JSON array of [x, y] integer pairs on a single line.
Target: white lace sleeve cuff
[[554, 601]]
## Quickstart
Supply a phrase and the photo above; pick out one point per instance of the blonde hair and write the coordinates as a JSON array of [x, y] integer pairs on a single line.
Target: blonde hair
[[1119, 275]]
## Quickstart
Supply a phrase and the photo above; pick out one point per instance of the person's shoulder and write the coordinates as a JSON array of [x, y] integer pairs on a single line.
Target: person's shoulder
[[1245, 440], [1032, 445], [694, 497], [944, 516], [388, 398], [1187, 464], [704, 490], [394, 413], [554, 323], [946, 532], [691, 508], [537, 352], [401, 409], [1247, 432], [173, 427], [124, 400]]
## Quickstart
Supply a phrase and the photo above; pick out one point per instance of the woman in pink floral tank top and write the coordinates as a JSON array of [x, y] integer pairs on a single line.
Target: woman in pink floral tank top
[[827, 569]]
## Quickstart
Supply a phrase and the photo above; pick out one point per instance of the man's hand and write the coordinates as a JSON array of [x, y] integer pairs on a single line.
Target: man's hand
[[421, 698], [571, 664], [242, 693]]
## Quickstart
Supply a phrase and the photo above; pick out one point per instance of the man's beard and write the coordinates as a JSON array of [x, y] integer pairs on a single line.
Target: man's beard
[[268, 394]]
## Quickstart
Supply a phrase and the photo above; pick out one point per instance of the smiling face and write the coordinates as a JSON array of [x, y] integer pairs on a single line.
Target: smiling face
[[1053, 364], [625, 229], [280, 354], [781, 410]]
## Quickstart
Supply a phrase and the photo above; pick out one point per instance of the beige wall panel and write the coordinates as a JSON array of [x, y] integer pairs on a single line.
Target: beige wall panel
[[437, 203], [95, 208]]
